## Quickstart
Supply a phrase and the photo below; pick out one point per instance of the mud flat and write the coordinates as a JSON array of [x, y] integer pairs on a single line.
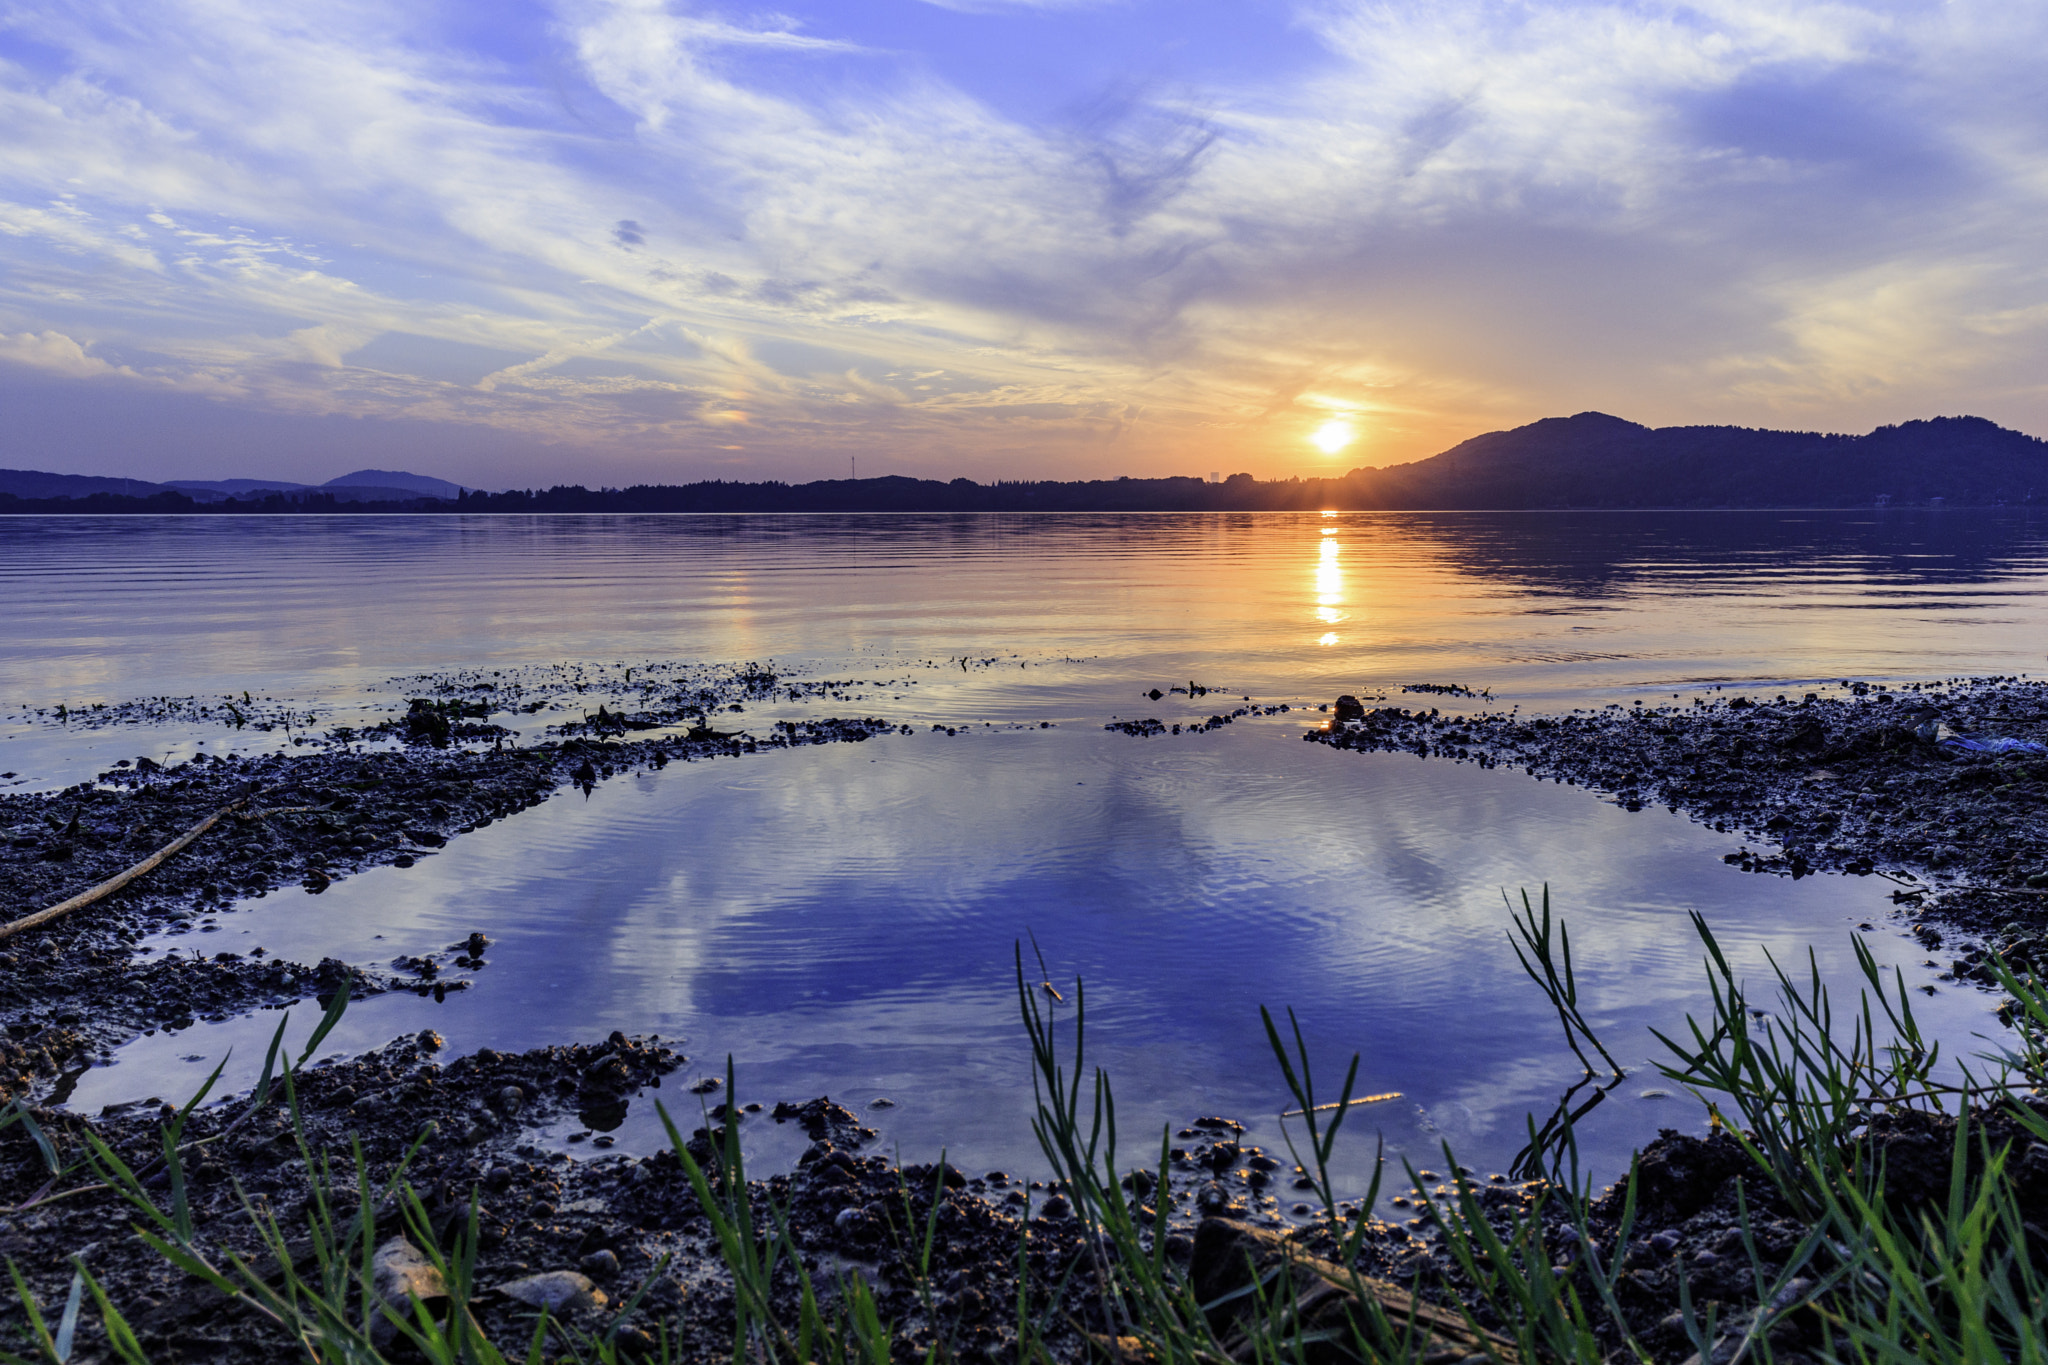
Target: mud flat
[[75, 987], [629, 1253], [1940, 787], [1869, 784], [624, 1223]]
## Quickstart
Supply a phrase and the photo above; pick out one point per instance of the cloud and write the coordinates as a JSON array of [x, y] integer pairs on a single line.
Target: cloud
[[599, 224], [55, 353]]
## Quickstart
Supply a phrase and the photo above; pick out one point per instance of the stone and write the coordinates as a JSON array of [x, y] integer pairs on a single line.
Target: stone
[[401, 1273], [558, 1291]]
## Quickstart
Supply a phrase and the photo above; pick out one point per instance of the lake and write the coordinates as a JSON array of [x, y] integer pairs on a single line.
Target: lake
[[842, 919]]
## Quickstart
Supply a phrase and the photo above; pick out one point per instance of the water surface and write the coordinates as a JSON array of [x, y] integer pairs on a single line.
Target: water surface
[[842, 919]]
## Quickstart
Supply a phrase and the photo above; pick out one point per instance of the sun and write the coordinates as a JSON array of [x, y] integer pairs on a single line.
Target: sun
[[1332, 436]]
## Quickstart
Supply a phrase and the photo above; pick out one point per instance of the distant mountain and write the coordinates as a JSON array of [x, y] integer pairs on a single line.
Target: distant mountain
[[58, 492], [1590, 460], [34, 483], [1594, 460], [415, 485]]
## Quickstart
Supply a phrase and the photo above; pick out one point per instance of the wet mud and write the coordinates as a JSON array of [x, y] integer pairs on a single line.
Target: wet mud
[[75, 988], [632, 1226], [1869, 783], [1879, 781]]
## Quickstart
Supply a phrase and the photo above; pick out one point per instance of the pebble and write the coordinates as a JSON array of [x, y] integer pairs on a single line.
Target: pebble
[[555, 1290]]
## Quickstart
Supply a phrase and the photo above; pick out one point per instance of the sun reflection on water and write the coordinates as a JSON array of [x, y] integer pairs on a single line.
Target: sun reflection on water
[[1329, 584]]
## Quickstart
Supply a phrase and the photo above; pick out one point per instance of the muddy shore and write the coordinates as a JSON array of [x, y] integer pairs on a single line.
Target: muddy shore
[[628, 1236], [75, 988], [616, 1220], [1868, 784], [1880, 781]]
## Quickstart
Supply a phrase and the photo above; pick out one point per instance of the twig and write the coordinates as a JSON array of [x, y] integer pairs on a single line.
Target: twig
[[115, 883], [42, 1199], [1345, 1104]]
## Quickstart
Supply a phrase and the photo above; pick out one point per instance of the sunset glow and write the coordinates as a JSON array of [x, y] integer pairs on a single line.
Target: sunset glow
[[1333, 436], [577, 231]]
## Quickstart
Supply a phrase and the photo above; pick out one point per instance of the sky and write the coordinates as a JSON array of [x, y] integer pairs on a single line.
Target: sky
[[615, 241]]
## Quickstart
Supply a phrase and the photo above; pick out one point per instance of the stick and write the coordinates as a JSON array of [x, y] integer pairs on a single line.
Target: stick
[[113, 884], [1362, 1099]]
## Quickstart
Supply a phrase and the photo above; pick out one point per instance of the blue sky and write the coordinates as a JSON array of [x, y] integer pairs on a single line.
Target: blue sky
[[615, 240]]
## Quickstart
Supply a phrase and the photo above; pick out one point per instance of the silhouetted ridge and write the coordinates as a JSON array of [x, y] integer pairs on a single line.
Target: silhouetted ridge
[[1593, 460], [1589, 460]]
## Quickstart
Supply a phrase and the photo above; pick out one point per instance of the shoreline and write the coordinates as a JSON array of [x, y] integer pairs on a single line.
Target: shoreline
[[75, 987], [1795, 775], [1876, 784]]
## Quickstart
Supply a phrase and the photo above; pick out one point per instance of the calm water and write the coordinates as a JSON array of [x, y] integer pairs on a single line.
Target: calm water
[[841, 920]]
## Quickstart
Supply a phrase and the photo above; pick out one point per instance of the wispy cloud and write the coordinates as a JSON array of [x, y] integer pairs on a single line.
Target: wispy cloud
[[644, 232]]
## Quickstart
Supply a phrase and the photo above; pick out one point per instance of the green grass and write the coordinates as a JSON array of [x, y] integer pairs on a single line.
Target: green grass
[[1953, 1278]]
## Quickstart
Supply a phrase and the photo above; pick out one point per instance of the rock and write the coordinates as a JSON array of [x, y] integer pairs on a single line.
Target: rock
[[607, 1075], [602, 1264], [632, 1341], [823, 1121], [401, 1273], [1348, 707], [558, 1291]]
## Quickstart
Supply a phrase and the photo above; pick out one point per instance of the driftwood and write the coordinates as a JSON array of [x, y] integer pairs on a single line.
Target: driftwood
[[1318, 1300], [141, 869]]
